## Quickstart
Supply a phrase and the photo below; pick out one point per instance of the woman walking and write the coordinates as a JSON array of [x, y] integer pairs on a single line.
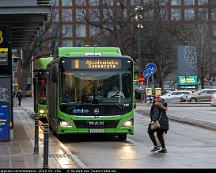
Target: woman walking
[[158, 112]]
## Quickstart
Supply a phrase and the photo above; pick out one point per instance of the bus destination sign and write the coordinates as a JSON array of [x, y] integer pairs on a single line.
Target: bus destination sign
[[96, 64]]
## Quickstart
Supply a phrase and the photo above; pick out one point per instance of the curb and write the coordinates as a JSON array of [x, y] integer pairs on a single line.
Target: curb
[[198, 123], [180, 105]]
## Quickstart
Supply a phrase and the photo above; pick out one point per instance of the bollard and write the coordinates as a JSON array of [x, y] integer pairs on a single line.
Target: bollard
[[46, 145], [36, 141]]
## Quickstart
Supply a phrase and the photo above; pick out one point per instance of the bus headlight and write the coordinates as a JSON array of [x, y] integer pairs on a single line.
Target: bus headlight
[[128, 123], [65, 124], [41, 111]]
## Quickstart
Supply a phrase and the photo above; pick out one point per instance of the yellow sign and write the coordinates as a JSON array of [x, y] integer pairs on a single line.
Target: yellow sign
[[158, 91], [76, 63], [148, 91], [4, 50], [1, 37]]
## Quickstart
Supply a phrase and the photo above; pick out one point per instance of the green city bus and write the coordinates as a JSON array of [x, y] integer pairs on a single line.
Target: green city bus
[[40, 87], [79, 83]]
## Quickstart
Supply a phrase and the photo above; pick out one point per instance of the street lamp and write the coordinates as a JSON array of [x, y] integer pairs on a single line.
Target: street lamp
[[139, 26]]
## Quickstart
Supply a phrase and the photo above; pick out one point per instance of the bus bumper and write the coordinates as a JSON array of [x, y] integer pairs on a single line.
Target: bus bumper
[[70, 130]]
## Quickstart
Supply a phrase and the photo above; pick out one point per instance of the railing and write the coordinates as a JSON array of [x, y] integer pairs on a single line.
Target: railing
[[45, 129], [43, 2]]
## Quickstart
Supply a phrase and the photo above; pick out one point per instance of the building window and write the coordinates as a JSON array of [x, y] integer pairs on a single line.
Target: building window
[[81, 2], [203, 13], [189, 2], [175, 2], [79, 43], [79, 14], [213, 14], [81, 30], [107, 14], [175, 14], [67, 30], [163, 2], [66, 15], [67, 43], [94, 30], [94, 14], [146, 2], [93, 2], [66, 2], [202, 2], [189, 14], [134, 2], [55, 17]]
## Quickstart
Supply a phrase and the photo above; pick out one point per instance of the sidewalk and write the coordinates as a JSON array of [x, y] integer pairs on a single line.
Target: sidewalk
[[19, 152]]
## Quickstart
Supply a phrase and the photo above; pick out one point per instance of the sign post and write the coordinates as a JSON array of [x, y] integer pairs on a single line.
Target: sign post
[[151, 68]]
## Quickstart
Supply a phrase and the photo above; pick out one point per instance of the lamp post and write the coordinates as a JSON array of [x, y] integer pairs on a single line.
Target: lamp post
[[139, 26]]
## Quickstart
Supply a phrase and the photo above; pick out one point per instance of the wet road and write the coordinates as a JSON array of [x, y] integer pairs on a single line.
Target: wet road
[[188, 147]]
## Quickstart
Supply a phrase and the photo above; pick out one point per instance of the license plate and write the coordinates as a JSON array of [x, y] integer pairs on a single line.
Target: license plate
[[96, 130]]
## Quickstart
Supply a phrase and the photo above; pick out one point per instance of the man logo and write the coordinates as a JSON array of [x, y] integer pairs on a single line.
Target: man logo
[[96, 111]]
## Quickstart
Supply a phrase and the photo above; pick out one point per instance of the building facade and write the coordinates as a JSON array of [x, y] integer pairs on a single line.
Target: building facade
[[76, 32]]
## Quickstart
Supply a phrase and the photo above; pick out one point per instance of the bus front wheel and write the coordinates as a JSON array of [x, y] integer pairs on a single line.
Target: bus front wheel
[[122, 137]]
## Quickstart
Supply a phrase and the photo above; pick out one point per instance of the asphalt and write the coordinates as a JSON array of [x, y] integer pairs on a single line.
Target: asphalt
[[144, 109], [19, 151]]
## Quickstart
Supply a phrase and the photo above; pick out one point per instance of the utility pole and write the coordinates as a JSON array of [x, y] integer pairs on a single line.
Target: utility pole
[[139, 26]]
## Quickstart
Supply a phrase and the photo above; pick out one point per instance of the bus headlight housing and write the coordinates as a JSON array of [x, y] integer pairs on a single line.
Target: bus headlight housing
[[128, 123], [43, 111], [65, 124]]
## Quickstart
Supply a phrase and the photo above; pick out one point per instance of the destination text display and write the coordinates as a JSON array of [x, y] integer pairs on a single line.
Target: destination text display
[[96, 64]]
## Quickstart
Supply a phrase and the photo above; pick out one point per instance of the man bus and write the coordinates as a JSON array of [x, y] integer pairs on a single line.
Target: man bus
[[40, 87], [79, 81]]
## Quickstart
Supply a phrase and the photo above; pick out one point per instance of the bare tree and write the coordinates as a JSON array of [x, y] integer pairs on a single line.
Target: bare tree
[[159, 45], [198, 36], [118, 27], [115, 25]]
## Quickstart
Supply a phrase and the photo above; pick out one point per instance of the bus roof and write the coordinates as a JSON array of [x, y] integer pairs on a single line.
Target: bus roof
[[43, 62], [89, 51]]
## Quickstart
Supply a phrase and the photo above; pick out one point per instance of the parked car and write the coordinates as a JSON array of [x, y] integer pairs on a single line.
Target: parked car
[[185, 97], [213, 99], [201, 95], [175, 95]]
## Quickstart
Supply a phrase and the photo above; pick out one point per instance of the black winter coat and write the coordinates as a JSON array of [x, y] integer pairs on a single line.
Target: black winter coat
[[157, 112]]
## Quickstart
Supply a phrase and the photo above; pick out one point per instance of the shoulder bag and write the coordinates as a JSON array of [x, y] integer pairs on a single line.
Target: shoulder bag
[[156, 124]]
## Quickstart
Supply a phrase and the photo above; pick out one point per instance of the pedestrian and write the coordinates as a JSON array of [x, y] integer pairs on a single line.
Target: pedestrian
[[158, 112], [19, 96]]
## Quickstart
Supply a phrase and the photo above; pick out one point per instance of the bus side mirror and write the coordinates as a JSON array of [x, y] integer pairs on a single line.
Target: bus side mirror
[[55, 72]]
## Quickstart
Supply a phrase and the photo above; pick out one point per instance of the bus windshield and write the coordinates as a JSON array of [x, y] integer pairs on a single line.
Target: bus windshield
[[90, 87]]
